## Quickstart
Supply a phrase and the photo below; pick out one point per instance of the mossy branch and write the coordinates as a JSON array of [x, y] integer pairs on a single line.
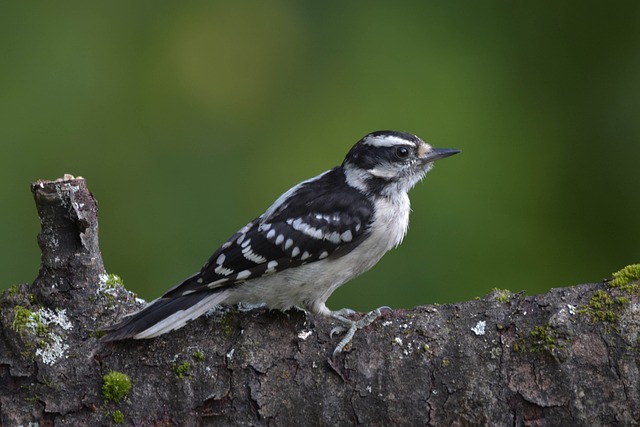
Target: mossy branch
[[570, 356]]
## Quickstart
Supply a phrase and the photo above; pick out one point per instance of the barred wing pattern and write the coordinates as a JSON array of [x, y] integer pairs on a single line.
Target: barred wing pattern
[[288, 235]]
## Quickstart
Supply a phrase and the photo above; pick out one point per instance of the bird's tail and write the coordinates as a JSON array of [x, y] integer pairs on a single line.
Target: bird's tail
[[164, 315]]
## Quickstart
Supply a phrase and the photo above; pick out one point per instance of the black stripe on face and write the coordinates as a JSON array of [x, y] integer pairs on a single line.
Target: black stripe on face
[[367, 157]]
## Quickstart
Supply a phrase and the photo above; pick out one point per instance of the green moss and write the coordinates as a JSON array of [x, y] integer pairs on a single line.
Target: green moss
[[118, 417], [26, 319], [13, 290], [602, 307], [182, 370], [600, 300], [30, 392], [113, 280], [502, 295], [115, 386], [542, 338], [623, 278], [622, 300], [445, 362], [48, 382], [21, 318], [199, 356], [518, 347]]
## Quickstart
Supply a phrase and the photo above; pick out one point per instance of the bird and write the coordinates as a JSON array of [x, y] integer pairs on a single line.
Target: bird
[[315, 237]]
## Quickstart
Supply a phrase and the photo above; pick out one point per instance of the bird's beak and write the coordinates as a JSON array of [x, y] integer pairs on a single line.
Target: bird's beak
[[438, 153]]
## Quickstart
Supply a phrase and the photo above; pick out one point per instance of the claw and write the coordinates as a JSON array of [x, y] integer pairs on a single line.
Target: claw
[[346, 340], [353, 325], [336, 330]]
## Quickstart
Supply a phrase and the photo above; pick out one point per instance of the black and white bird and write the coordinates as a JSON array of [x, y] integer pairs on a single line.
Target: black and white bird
[[315, 237]]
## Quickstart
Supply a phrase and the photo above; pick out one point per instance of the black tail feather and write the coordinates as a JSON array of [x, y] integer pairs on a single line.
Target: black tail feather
[[174, 312]]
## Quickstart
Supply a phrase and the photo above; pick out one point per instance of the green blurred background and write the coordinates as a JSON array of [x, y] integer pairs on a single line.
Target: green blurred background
[[188, 119]]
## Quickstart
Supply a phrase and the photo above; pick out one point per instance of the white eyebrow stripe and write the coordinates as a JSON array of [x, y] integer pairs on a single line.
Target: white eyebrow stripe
[[387, 141]]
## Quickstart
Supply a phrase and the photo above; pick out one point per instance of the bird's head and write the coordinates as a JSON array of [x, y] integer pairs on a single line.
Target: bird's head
[[389, 162]]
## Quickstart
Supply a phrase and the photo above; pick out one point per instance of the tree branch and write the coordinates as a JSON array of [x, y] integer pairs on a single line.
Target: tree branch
[[567, 357]]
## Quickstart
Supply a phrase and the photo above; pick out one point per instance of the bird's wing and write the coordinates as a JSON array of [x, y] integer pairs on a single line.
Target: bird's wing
[[313, 222]]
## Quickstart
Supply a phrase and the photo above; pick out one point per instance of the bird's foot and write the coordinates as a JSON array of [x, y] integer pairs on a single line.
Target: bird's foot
[[351, 326]]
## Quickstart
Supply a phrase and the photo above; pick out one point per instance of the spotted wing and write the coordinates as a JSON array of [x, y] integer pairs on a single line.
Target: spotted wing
[[317, 219]]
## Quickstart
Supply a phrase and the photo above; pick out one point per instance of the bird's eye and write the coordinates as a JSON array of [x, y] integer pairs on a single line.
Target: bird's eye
[[402, 152]]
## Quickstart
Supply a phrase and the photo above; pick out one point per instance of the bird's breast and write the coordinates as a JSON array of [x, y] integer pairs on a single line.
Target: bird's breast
[[391, 220]]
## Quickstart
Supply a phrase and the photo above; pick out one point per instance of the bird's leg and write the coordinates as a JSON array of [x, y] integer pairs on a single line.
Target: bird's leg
[[351, 326]]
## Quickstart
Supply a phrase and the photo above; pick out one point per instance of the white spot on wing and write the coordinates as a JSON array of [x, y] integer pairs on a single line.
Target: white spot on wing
[[217, 282], [288, 244], [323, 255], [248, 253], [333, 237], [279, 239], [270, 234], [315, 233], [221, 259], [295, 252], [305, 255], [305, 228], [223, 271], [346, 236], [243, 274], [272, 264], [265, 227]]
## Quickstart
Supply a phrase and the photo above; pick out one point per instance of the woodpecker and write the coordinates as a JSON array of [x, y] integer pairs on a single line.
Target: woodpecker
[[315, 237]]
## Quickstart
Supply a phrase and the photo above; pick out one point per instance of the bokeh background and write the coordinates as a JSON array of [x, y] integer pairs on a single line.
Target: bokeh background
[[188, 119]]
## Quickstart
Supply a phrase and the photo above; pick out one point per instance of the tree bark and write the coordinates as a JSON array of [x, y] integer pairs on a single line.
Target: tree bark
[[570, 356]]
